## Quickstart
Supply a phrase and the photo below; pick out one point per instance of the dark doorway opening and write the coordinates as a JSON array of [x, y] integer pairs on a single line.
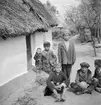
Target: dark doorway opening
[[29, 52]]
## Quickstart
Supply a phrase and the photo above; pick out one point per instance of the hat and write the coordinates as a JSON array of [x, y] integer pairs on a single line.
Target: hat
[[98, 62], [84, 64], [46, 44]]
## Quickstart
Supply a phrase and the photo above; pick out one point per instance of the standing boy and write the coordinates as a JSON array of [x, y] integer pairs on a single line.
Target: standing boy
[[48, 58], [66, 55]]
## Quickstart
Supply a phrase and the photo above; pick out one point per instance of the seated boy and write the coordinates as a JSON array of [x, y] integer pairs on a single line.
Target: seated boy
[[84, 82], [56, 83], [97, 74]]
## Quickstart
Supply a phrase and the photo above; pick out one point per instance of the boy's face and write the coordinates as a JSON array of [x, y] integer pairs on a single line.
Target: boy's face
[[66, 37], [58, 69], [84, 69], [38, 50], [47, 48]]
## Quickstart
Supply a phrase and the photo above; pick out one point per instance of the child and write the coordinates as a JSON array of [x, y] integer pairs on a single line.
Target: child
[[56, 83], [84, 82], [48, 58], [66, 55], [97, 74], [38, 58]]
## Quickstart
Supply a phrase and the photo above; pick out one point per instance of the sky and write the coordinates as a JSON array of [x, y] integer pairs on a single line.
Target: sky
[[60, 4]]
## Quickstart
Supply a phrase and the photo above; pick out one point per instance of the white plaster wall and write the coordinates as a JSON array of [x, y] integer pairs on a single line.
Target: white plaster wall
[[37, 40], [48, 36], [13, 60]]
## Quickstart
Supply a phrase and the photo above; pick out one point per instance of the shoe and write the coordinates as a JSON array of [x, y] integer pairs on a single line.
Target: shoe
[[57, 100], [88, 92], [79, 93], [62, 100]]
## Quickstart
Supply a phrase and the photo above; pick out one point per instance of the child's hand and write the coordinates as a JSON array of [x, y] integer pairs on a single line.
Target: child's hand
[[52, 82], [58, 87]]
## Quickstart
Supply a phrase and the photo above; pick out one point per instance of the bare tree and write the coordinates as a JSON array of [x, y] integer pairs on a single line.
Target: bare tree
[[91, 13], [87, 13], [72, 18], [51, 7]]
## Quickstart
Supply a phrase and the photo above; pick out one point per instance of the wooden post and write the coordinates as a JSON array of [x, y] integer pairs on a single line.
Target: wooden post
[[98, 31]]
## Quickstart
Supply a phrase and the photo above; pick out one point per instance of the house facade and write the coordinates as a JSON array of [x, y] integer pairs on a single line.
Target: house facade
[[19, 38], [13, 60]]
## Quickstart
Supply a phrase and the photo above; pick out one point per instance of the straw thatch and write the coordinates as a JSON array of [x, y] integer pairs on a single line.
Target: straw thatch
[[21, 17], [41, 10]]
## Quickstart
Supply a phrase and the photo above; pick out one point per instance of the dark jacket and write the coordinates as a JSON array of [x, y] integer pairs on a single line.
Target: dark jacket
[[38, 59], [83, 77], [66, 56], [48, 60], [53, 77], [97, 74]]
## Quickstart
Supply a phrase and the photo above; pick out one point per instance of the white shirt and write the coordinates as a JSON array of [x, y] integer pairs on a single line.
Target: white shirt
[[67, 44]]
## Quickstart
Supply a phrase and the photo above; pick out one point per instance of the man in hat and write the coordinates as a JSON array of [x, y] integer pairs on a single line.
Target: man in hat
[[66, 55], [48, 58], [56, 83], [84, 83], [97, 74]]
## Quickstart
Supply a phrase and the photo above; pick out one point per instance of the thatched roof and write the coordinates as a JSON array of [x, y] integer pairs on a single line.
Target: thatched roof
[[41, 10], [19, 17]]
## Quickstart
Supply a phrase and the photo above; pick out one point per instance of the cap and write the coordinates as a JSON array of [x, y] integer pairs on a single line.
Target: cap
[[84, 64], [46, 43]]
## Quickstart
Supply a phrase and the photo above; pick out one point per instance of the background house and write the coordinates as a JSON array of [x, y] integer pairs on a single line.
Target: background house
[[22, 28]]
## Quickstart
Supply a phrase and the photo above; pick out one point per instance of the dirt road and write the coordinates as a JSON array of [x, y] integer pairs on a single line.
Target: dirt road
[[84, 53]]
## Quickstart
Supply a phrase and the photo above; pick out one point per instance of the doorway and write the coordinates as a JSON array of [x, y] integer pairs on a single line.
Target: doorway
[[29, 52]]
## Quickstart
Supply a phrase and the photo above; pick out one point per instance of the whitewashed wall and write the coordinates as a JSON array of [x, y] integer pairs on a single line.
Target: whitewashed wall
[[48, 36], [13, 61]]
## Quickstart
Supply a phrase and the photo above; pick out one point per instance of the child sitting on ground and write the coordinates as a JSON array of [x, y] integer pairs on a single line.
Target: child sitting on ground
[[84, 82], [38, 59], [56, 83], [97, 74]]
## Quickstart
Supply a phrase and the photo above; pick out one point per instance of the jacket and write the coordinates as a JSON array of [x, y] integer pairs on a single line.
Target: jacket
[[66, 56]]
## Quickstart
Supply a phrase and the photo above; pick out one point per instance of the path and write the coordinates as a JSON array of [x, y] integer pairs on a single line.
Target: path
[[84, 53]]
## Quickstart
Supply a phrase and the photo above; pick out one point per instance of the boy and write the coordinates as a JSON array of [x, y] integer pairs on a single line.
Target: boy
[[66, 55], [38, 58], [48, 58], [97, 74], [56, 83], [84, 82]]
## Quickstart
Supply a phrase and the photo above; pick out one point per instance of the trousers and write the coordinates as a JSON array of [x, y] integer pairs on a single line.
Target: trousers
[[66, 68]]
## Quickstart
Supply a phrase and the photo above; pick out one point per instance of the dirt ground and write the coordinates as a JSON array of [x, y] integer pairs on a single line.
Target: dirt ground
[[32, 94]]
